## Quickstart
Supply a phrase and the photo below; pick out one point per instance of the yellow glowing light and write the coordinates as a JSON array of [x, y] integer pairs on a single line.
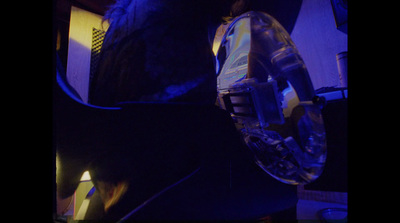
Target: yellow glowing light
[[85, 176]]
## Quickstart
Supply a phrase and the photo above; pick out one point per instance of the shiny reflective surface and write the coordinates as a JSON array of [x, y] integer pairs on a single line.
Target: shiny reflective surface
[[264, 84], [334, 215], [237, 44]]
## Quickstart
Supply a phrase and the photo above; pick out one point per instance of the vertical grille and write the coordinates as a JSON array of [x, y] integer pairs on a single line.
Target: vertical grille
[[97, 42]]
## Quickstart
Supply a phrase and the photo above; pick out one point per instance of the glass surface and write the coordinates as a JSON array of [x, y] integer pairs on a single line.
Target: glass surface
[[263, 82]]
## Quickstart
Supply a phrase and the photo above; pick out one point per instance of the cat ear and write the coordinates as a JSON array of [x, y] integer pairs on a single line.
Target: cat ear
[[111, 193]]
